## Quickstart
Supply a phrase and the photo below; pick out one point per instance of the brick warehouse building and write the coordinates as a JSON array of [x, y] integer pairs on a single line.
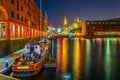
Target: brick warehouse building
[[18, 17], [103, 28], [18, 20]]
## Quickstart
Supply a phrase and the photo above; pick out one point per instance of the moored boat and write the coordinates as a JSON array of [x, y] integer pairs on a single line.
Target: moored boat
[[32, 61]]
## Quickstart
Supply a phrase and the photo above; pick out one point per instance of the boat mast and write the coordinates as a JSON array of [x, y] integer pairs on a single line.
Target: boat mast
[[29, 21], [40, 19]]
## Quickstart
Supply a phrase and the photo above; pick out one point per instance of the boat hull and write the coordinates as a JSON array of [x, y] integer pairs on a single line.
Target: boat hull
[[22, 73]]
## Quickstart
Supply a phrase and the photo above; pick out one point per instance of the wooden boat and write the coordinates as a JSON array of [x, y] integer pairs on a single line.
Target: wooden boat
[[31, 62]]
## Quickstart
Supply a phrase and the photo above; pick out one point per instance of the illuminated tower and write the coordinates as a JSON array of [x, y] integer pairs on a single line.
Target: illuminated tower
[[65, 24], [78, 20]]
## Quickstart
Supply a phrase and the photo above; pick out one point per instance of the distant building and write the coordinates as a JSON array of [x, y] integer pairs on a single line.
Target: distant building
[[93, 28], [18, 17], [65, 25], [77, 25], [102, 27]]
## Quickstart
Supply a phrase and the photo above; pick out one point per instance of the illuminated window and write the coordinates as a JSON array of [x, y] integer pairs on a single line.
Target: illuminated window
[[2, 31], [16, 30], [11, 29], [87, 22]]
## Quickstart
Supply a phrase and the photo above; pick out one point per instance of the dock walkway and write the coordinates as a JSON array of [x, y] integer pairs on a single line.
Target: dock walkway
[[10, 58]]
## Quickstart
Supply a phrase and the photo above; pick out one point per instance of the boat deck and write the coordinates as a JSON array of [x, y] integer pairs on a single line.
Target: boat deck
[[31, 61]]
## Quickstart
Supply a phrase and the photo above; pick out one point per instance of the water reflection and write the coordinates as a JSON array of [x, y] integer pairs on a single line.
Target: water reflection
[[65, 55], [59, 50], [110, 59], [76, 60], [93, 59], [87, 59], [84, 59]]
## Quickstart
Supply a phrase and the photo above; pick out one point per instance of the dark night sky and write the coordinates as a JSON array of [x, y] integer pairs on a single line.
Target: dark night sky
[[84, 9]]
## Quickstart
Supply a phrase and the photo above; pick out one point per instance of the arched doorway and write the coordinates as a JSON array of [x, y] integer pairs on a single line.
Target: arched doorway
[[3, 19], [3, 14]]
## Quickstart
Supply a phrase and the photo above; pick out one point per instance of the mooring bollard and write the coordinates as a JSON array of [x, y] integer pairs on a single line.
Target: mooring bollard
[[6, 63]]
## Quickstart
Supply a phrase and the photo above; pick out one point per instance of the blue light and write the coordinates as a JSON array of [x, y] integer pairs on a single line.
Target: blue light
[[31, 45], [69, 36], [6, 60], [67, 77], [6, 63]]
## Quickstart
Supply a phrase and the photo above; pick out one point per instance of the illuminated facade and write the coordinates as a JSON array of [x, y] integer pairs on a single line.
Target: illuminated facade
[[77, 26], [102, 27], [20, 19], [76, 23], [65, 25]]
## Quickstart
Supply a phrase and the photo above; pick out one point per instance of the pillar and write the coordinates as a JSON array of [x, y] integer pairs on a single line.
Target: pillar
[[7, 31]]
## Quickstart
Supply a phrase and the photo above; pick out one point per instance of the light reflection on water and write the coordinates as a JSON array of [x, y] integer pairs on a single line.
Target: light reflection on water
[[77, 60], [110, 59], [85, 59], [65, 56]]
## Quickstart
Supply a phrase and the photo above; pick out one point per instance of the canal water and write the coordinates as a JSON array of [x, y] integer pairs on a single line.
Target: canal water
[[83, 59]]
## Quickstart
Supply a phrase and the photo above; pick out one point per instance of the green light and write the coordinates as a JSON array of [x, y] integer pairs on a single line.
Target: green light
[[110, 59], [88, 59]]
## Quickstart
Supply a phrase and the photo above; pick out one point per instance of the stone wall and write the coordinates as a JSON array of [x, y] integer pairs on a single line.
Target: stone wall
[[9, 46], [4, 48]]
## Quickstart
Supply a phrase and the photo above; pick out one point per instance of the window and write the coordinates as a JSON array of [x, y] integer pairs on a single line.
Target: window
[[16, 30], [0, 13], [17, 5], [25, 1], [17, 16], [35, 47], [12, 1], [28, 47], [2, 31], [11, 29], [12, 14], [21, 8], [22, 18], [25, 20]]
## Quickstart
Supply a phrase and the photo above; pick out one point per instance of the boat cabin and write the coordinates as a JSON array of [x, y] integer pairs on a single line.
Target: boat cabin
[[32, 48], [32, 54]]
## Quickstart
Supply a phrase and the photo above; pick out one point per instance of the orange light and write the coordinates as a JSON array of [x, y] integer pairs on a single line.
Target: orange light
[[65, 55]]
